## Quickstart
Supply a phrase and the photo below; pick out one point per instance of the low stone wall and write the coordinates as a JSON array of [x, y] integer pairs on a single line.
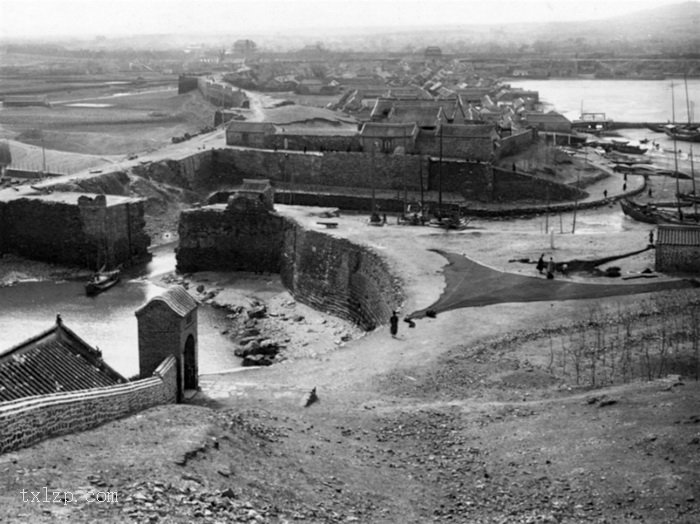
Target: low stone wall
[[25, 422]]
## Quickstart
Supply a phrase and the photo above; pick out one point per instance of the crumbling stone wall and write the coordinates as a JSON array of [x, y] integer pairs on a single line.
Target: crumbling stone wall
[[25, 422], [187, 172], [230, 238]]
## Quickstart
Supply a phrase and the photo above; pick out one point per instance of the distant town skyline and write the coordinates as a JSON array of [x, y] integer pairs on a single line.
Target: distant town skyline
[[84, 18]]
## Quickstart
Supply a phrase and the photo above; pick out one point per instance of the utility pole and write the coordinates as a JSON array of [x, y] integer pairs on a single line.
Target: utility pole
[[373, 217], [440, 178]]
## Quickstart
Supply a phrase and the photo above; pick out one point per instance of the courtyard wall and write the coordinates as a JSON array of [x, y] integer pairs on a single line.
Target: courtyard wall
[[26, 421]]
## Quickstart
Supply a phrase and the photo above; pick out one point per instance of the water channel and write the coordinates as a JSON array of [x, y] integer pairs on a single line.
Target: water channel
[[107, 320]]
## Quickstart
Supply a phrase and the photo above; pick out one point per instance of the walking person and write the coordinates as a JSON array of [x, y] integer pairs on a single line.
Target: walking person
[[540, 264], [394, 324], [550, 268]]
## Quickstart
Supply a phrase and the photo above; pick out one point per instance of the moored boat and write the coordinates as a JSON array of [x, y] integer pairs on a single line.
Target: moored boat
[[102, 281], [638, 212], [652, 215]]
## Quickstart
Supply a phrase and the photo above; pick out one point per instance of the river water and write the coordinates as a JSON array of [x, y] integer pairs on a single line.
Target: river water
[[621, 100], [108, 321]]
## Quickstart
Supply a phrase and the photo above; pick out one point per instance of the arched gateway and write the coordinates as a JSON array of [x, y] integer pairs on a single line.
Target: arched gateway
[[167, 325]]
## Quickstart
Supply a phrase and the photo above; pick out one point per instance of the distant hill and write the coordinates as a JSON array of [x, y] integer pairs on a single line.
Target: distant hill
[[669, 23]]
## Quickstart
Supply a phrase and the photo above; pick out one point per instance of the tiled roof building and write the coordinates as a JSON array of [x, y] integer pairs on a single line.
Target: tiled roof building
[[56, 360], [678, 248]]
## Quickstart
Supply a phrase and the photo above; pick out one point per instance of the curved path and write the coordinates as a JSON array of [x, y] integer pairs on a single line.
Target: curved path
[[470, 284]]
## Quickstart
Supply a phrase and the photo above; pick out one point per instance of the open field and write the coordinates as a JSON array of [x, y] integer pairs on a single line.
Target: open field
[[108, 123]]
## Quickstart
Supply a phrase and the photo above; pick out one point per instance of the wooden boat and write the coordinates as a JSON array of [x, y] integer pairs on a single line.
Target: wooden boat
[[656, 128], [628, 149], [638, 212], [652, 215], [685, 134], [102, 281]]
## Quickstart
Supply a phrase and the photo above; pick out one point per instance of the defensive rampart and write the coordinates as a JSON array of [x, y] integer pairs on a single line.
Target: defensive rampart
[[29, 420], [74, 229], [339, 277], [222, 237], [320, 270]]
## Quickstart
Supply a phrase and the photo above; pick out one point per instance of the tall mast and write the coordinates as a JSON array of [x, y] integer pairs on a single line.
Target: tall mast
[[440, 176], [687, 100], [675, 151], [692, 160]]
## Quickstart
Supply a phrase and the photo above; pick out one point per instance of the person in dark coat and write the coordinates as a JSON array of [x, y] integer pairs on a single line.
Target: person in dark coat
[[550, 268], [540, 264], [394, 324]]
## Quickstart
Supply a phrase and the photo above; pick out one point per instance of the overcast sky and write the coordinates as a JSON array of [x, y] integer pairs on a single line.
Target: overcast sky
[[123, 17]]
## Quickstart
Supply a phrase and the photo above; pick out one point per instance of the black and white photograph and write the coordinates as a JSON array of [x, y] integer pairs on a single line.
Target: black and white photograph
[[365, 261]]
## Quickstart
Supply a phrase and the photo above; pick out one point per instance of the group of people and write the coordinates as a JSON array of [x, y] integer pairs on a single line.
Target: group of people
[[548, 266]]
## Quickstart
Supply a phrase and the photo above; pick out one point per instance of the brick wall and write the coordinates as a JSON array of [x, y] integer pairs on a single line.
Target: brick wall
[[673, 259], [25, 422]]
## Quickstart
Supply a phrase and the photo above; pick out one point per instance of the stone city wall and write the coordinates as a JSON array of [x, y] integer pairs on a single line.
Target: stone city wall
[[484, 183], [325, 272], [514, 144], [339, 277], [509, 186], [480, 149], [25, 422], [49, 231], [88, 234], [329, 169], [218, 237], [221, 94], [347, 143]]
